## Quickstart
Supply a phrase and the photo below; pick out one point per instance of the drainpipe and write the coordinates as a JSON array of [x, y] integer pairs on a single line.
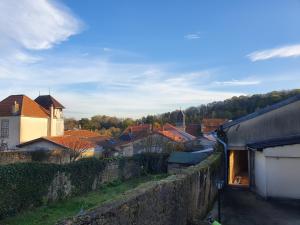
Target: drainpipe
[[225, 155]]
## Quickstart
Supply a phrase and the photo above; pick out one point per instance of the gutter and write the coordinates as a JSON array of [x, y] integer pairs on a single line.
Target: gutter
[[225, 156]]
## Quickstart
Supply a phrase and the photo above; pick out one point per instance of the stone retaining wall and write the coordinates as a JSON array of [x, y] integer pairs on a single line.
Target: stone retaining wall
[[180, 199]]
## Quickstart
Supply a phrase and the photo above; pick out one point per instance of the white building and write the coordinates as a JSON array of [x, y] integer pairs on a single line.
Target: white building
[[264, 150], [22, 119]]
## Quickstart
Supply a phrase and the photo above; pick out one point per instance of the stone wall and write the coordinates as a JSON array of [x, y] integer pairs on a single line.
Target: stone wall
[[62, 188], [181, 199], [17, 156]]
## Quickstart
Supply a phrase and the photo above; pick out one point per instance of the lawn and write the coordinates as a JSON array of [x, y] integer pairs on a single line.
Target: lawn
[[50, 214]]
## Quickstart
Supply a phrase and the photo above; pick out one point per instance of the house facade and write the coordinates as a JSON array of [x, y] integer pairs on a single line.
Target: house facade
[[264, 150], [143, 138], [23, 119]]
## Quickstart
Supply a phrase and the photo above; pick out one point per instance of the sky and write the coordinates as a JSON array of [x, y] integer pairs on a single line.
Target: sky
[[133, 58]]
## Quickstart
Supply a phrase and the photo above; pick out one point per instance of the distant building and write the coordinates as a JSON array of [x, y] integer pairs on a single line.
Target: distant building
[[210, 125], [143, 138], [194, 129], [264, 150], [22, 119], [180, 120], [85, 142]]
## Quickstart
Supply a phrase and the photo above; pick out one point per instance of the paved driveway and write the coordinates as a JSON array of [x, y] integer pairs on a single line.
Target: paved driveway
[[242, 207]]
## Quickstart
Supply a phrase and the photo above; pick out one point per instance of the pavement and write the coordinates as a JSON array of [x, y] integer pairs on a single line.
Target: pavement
[[242, 207]]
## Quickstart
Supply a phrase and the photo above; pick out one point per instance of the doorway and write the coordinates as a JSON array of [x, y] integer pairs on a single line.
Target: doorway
[[238, 168]]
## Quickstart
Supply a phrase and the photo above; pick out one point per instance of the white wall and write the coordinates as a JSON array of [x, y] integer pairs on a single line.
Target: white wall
[[281, 177], [33, 128], [14, 131], [260, 173]]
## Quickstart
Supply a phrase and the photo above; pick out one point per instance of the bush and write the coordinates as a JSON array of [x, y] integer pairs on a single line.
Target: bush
[[26, 185]]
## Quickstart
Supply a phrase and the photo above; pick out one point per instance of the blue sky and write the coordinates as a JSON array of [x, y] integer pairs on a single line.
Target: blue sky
[[133, 58]]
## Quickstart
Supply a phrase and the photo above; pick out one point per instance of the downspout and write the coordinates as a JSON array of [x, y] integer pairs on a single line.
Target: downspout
[[225, 155]]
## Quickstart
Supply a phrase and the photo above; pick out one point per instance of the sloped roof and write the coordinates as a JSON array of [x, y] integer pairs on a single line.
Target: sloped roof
[[175, 134], [193, 129], [65, 141], [82, 133], [27, 107], [262, 111], [47, 100], [275, 142], [210, 125], [187, 158]]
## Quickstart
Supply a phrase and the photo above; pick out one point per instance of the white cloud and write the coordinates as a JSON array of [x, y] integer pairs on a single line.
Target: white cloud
[[93, 85], [280, 52], [192, 36], [238, 82], [36, 24], [27, 26]]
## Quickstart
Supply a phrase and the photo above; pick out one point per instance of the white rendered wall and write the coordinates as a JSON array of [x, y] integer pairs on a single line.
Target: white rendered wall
[[14, 131]]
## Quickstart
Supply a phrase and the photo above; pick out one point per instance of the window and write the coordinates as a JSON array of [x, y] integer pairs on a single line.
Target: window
[[4, 128]]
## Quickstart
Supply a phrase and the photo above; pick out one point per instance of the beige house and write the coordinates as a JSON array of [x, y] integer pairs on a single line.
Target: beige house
[[23, 120]]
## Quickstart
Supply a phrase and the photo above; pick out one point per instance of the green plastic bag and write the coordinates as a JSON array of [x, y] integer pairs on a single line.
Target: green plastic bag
[[216, 223]]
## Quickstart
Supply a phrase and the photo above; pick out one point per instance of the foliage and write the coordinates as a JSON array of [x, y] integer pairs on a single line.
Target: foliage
[[25, 185], [230, 109], [56, 211]]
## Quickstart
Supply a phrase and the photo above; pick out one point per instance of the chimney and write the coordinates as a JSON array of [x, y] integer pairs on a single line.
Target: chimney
[[15, 108], [51, 119]]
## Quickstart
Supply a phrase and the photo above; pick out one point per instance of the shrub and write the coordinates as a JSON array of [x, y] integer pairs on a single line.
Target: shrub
[[26, 185]]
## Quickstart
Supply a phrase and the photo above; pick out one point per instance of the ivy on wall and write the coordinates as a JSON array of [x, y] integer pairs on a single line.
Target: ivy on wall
[[25, 185]]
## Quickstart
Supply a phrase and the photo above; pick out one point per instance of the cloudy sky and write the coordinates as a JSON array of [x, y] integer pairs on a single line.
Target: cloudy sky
[[133, 58]]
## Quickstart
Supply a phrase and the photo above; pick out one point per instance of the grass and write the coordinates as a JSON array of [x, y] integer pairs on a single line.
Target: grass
[[50, 214]]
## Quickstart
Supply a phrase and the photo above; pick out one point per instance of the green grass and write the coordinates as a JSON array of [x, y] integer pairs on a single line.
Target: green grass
[[50, 214]]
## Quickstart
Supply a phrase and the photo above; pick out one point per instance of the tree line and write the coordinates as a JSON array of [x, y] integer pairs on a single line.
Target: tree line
[[230, 109]]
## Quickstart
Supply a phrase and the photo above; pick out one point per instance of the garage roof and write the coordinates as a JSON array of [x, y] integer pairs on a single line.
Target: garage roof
[[275, 142]]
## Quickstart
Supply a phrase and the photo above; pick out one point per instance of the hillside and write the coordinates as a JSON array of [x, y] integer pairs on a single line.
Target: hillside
[[230, 108]]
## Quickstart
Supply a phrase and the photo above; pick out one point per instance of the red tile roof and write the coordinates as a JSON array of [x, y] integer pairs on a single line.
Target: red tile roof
[[71, 142], [193, 129], [82, 133], [210, 125], [175, 134], [138, 129], [27, 107]]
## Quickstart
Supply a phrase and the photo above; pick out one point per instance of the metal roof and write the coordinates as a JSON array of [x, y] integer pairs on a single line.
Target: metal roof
[[275, 142], [187, 158], [262, 111]]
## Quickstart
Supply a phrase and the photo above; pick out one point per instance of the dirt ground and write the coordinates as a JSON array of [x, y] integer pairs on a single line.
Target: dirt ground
[[242, 207]]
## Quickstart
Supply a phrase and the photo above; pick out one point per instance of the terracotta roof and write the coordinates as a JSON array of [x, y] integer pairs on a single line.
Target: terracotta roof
[[47, 100], [193, 129], [67, 142], [82, 133], [175, 134], [138, 129], [26, 107], [72, 142], [210, 125]]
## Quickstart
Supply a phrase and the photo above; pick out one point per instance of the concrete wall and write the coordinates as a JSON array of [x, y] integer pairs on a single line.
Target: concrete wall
[[14, 131], [180, 199], [277, 172], [281, 122], [260, 173], [32, 128]]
